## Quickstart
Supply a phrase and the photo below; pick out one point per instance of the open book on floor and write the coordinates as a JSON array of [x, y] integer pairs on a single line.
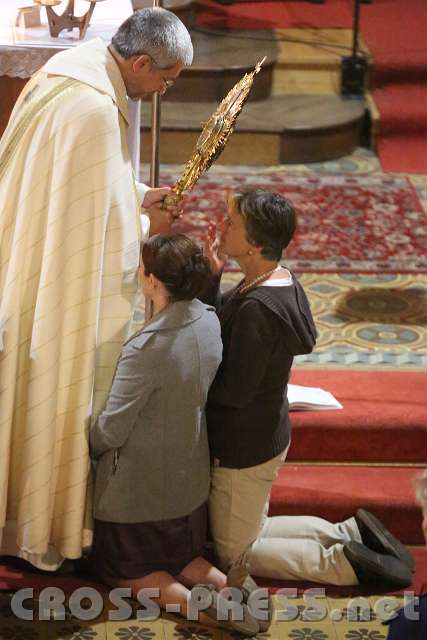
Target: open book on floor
[[310, 399]]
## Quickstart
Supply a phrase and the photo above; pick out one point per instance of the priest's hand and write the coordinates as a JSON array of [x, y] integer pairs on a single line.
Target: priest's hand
[[162, 218], [155, 196]]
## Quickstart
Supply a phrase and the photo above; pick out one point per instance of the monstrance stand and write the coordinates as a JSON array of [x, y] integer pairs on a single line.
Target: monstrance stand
[[67, 20]]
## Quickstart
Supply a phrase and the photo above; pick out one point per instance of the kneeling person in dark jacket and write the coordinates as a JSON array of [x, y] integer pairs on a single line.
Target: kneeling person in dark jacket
[[265, 322]]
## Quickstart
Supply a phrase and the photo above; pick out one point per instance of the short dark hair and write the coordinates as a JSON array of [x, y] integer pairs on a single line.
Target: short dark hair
[[269, 219], [178, 262]]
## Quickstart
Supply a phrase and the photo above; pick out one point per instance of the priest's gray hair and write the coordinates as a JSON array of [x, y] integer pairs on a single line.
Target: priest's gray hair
[[158, 33]]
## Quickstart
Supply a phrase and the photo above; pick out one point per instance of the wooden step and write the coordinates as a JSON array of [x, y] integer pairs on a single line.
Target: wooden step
[[279, 130], [220, 60], [309, 60]]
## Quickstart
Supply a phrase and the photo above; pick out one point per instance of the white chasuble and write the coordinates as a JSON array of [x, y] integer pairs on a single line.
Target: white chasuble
[[69, 255]]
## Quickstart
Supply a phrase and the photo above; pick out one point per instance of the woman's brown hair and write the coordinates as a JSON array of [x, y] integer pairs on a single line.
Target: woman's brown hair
[[269, 219], [178, 262]]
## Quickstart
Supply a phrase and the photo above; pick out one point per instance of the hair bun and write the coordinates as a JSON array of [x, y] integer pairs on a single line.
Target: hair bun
[[178, 262], [196, 272], [194, 262]]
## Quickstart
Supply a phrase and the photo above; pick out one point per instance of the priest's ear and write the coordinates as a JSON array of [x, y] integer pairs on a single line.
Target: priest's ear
[[141, 63]]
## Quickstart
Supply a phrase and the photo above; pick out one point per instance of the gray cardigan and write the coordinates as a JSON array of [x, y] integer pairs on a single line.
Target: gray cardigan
[[151, 439]]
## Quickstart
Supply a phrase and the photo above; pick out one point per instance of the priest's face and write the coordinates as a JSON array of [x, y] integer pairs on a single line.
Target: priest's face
[[233, 239], [145, 77]]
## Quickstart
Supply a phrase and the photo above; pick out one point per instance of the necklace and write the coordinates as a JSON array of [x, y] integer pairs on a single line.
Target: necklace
[[243, 288]]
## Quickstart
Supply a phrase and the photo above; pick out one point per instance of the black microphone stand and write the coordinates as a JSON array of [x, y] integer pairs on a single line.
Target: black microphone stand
[[354, 67]]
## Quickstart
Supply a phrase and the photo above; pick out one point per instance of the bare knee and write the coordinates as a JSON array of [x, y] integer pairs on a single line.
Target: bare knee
[[200, 570]]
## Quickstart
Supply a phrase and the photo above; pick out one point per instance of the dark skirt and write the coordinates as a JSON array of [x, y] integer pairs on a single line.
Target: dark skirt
[[130, 551]]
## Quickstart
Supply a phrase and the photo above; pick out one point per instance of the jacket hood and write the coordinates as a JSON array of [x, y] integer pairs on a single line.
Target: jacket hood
[[291, 306], [92, 64]]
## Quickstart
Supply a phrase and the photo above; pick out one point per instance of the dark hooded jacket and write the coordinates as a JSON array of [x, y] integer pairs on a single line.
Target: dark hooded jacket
[[247, 411]]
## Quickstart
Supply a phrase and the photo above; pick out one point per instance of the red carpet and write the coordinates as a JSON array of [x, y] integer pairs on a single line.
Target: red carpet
[[384, 418], [264, 15], [13, 580], [395, 32], [336, 492], [413, 149]]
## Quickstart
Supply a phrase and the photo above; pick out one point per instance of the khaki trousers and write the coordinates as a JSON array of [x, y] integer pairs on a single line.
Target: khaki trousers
[[281, 547]]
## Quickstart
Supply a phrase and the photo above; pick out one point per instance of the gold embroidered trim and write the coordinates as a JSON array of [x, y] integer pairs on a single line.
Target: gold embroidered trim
[[22, 126]]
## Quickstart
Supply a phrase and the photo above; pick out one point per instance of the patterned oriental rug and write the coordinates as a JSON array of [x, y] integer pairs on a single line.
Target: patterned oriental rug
[[358, 223]]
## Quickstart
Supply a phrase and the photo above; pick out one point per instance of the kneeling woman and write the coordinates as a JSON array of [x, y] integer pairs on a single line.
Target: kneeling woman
[[150, 442], [266, 321]]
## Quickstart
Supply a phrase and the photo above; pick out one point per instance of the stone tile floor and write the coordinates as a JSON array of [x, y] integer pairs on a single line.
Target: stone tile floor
[[324, 618]]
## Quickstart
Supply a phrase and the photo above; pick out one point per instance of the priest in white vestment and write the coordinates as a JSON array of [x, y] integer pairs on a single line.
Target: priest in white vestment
[[70, 233]]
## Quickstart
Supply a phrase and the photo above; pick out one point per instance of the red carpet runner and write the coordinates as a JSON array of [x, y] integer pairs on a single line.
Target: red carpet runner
[[268, 15], [384, 418], [395, 32], [357, 457]]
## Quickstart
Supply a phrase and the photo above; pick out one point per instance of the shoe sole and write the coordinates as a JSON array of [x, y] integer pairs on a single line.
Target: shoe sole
[[248, 627], [388, 541], [249, 586], [356, 555]]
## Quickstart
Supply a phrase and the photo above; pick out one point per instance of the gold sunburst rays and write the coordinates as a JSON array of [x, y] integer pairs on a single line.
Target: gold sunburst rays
[[215, 135]]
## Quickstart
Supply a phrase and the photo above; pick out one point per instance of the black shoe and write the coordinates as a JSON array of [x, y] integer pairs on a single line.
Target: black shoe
[[239, 578], [375, 568], [378, 538]]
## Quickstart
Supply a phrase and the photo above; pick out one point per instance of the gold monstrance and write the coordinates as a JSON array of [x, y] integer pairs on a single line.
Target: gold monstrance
[[214, 136]]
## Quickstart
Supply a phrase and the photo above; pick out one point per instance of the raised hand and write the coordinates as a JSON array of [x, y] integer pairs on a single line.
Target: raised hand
[[216, 259]]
